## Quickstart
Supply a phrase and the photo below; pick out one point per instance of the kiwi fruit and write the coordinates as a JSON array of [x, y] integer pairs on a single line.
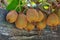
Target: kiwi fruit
[[41, 25], [12, 16], [52, 20], [41, 16], [21, 21], [32, 15], [29, 27]]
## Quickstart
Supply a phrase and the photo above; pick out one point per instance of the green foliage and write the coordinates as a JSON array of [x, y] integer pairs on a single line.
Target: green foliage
[[12, 5], [16, 5], [9, 1], [42, 1]]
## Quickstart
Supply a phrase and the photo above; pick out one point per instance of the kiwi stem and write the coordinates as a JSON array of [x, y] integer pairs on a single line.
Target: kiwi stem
[[16, 7], [26, 8]]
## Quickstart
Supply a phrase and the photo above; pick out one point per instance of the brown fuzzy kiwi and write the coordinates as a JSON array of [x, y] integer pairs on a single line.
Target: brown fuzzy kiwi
[[32, 15], [21, 21], [12, 16], [53, 21], [29, 27], [41, 25], [41, 16]]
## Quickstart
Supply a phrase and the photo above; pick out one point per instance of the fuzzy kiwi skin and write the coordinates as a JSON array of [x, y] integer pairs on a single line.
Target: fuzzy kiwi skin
[[32, 15], [29, 27], [41, 16], [21, 21], [52, 20], [41, 25], [12, 16]]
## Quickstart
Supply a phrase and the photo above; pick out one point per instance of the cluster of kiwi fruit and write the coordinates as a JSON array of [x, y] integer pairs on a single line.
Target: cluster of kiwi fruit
[[33, 19]]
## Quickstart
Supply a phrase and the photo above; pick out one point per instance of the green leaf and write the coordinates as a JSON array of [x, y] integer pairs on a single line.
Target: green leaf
[[13, 5], [16, 5], [9, 1]]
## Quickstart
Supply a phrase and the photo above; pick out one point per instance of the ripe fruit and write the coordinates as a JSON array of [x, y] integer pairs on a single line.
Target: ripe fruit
[[29, 27], [41, 16], [53, 20], [32, 15], [21, 21], [41, 25], [12, 16]]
